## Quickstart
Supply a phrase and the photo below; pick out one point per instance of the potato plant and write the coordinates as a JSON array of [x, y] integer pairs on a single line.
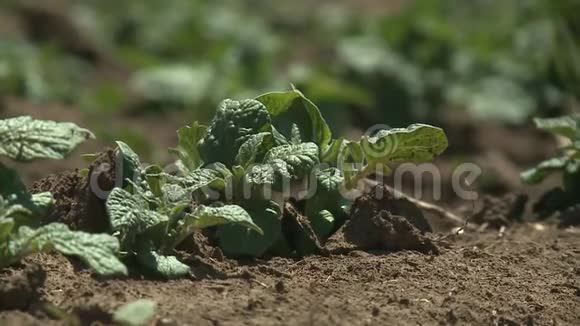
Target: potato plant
[[258, 162], [567, 163], [21, 229]]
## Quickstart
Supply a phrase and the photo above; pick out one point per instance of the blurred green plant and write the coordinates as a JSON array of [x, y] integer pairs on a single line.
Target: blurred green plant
[[567, 163], [499, 59]]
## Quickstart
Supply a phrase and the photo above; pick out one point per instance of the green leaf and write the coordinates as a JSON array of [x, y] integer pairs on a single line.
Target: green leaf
[[206, 216], [26, 139], [173, 193], [187, 150], [24, 205], [260, 174], [493, 98], [324, 210], [537, 174], [292, 107], [130, 215], [327, 196], [332, 152], [11, 186], [42, 202], [293, 161], [136, 313], [131, 165], [571, 177], [89, 158], [201, 178], [98, 251], [257, 144], [237, 240], [14, 212], [232, 126], [155, 178], [417, 143], [565, 126], [168, 267], [6, 226]]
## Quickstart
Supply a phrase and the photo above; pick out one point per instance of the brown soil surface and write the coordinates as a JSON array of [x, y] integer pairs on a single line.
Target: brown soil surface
[[529, 276]]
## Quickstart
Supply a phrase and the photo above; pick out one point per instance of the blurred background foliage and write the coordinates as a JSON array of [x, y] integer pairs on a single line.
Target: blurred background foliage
[[362, 62]]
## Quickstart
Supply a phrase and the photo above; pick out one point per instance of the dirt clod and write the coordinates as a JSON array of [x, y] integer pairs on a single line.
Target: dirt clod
[[380, 198], [570, 216], [20, 290], [79, 200], [501, 211], [379, 221], [387, 231]]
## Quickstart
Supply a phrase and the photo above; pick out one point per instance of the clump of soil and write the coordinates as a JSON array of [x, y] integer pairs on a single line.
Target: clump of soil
[[388, 223], [386, 231], [77, 202], [570, 216], [20, 289], [380, 198], [560, 206], [501, 211]]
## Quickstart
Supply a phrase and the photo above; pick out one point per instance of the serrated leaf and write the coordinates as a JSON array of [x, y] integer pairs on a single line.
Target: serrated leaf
[[98, 251], [25, 139], [130, 215], [237, 240], [538, 173], [187, 150], [565, 126], [256, 144], [292, 107], [417, 143], [293, 161], [166, 266], [130, 163], [136, 313], [232, 125]]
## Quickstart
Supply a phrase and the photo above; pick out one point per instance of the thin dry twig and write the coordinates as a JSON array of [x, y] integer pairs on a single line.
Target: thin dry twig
[[432, 208]]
